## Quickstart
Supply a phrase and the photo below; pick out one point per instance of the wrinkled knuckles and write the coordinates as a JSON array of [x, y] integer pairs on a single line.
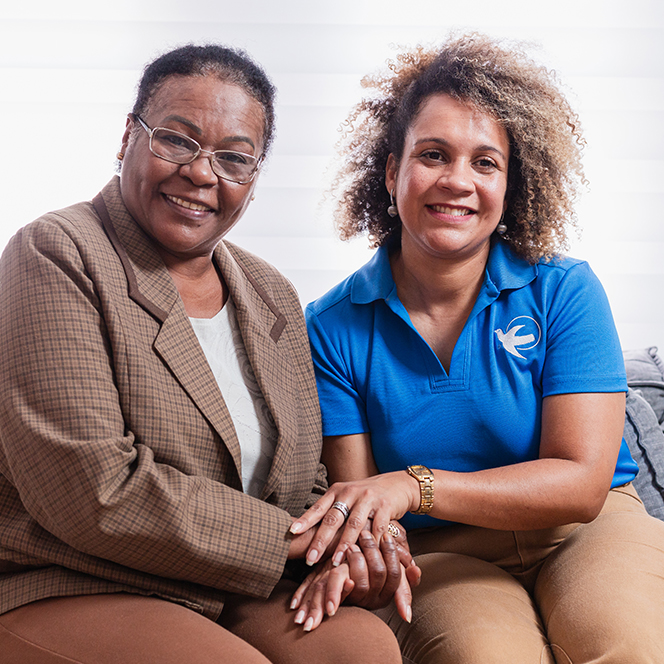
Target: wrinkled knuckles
[[367, 540], [333, 518], [380, 571], [393, 575], [317, 508], [318, 543], [355, 522]]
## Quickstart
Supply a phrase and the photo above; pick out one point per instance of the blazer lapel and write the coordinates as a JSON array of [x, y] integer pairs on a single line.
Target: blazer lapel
[[178, 346], [151, 286], [261, 324]]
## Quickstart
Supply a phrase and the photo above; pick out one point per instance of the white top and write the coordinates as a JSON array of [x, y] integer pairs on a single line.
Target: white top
[[221, 341]]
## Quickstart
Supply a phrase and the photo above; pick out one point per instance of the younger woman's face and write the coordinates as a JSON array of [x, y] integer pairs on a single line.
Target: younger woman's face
[[451, 182]]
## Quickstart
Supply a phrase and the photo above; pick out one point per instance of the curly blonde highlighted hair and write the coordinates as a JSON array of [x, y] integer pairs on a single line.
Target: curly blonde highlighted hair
[[545, 174]]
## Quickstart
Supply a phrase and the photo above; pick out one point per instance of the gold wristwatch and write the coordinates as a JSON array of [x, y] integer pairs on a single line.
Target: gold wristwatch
[[425, 477]]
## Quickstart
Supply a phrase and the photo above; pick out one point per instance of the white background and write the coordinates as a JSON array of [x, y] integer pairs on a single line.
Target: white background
[[68, 71]]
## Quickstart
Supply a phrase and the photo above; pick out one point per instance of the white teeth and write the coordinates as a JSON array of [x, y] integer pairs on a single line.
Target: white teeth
[[187, 204], [455, 212]]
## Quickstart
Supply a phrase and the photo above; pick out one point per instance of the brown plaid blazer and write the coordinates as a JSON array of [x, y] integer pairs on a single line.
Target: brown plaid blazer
[[119, 462]]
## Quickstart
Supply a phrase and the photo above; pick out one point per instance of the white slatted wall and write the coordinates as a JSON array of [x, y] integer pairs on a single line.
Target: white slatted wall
[[68, 70]]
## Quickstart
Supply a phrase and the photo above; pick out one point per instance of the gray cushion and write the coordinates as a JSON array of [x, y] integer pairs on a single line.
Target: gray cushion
[[644, 418], [645, 440], [645, 372]]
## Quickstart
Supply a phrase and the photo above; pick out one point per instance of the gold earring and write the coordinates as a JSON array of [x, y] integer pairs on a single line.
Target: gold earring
[[120, 155]]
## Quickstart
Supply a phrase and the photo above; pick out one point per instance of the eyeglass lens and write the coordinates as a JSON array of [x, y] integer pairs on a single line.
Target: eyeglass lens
[[179, 149]]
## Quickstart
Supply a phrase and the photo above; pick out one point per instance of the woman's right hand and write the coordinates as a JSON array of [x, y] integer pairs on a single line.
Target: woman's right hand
[[380, 498]]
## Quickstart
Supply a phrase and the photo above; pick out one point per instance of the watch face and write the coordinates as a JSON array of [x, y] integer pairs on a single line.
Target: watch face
[[420, 470]]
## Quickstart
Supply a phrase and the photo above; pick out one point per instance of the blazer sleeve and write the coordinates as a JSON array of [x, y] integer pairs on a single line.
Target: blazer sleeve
[[90, 487]]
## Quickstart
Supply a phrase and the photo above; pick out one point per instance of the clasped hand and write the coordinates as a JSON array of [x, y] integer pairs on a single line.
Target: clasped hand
[[367, 575]]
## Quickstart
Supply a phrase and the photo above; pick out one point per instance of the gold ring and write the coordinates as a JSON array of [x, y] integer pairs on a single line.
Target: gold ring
[[393, 530]]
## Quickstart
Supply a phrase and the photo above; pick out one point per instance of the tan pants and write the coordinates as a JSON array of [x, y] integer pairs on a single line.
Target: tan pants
[[131, 629], [579, 593]]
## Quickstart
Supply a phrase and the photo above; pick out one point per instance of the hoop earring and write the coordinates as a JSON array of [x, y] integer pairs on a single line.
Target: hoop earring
[[501, 228], [120, 156], [392, 209]]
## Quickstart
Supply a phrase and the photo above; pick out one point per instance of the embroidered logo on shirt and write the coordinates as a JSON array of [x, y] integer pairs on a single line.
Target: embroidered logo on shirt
[[523, 333]]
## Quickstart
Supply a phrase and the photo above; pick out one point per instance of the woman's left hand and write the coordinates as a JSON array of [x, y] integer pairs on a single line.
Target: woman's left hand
[[370, 576], [379, 497]]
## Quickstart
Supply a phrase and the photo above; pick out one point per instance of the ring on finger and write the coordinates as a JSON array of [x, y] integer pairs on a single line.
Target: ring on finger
[[343, 508], [393, 530]]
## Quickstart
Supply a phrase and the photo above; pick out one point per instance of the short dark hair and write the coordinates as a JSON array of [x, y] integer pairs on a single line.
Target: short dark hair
[[545, 173], [229, 64]]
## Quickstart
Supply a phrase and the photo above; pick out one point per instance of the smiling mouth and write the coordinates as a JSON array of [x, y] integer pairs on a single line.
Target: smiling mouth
[[452, 211], [198, 207]]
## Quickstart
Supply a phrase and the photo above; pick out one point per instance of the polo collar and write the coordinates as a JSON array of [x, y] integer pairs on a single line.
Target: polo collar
[[505, 271], [373, 281]]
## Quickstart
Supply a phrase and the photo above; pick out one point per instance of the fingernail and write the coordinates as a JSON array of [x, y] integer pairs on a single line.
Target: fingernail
[[299, 618], [294, 603], [388, 538], [296, 528], [309, 624], [355, 549], [330, 608], [312, 557], [409, 614], [338, 557]]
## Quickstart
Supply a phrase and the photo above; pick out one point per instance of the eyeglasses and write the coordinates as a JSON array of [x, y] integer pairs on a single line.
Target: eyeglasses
[[180, 149]]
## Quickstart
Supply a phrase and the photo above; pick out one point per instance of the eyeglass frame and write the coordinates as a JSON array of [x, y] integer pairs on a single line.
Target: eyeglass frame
[[210, 154]]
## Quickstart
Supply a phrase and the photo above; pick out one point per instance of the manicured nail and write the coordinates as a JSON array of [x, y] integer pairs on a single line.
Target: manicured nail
[[296, 528], [330, 609], [409, 614], [312, 557], [299, 618], [338, 558], [294, 603], [309, 624]]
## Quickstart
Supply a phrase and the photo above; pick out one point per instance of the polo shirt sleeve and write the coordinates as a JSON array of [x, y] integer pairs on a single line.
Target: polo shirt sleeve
[[343, 410], [583, 350]]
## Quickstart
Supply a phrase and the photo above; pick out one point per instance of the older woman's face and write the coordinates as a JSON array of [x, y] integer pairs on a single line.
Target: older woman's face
[[187, 209], [451, 182]]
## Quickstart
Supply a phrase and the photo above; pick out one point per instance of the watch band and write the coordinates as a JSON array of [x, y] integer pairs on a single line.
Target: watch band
[[425, 477]]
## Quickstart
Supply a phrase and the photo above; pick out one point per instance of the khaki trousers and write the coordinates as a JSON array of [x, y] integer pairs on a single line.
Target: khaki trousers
[[576, 594]]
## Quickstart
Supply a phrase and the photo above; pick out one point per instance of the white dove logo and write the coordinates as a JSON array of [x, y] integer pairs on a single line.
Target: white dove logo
[[525, 341]]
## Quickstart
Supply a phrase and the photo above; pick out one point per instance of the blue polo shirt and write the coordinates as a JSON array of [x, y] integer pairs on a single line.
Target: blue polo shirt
[[535, 330]]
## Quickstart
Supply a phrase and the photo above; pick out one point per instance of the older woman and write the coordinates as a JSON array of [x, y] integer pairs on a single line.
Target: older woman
[[471, 379], [159, 425]]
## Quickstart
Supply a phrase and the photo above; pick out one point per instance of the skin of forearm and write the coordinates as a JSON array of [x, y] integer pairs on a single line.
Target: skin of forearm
[[567, 484], [536, 494]]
